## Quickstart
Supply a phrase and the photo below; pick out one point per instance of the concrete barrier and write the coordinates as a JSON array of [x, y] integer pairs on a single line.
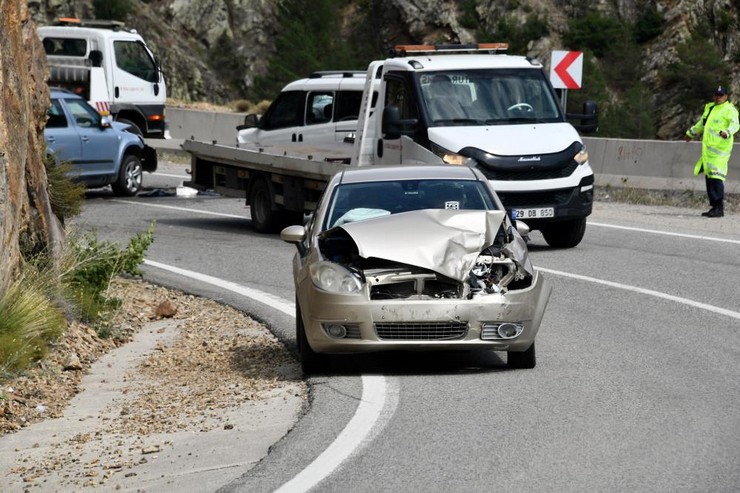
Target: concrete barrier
[[653, 164]]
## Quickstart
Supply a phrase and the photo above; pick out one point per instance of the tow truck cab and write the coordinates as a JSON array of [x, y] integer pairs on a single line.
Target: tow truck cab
[[109, 66], [472, 105]]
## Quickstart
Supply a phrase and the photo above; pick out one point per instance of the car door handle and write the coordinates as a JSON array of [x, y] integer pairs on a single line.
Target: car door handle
[[51, 139], [84, 139]]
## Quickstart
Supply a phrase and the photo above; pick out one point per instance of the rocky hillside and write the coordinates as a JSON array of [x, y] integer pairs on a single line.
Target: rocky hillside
[[649, 64]]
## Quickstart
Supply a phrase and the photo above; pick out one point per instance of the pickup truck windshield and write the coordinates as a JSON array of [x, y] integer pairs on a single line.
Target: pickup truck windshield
[[488, 97]]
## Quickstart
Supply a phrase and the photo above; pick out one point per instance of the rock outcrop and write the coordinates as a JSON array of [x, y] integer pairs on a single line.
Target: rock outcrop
[[195, 39], [26, 216]]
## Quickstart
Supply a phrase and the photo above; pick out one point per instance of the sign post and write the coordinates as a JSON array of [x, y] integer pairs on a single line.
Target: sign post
[[566, 72]]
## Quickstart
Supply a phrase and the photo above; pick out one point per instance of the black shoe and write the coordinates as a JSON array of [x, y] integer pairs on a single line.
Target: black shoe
[[708, 213], [716, 213]]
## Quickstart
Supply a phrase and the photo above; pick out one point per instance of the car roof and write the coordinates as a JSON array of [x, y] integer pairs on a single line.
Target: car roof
[[63, 94], [406, 172]]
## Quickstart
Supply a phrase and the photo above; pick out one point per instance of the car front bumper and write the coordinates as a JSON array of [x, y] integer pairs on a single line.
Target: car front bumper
[[356, 312]]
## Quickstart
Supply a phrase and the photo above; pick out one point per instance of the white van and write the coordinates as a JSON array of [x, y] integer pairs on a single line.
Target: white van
[[320, 109]]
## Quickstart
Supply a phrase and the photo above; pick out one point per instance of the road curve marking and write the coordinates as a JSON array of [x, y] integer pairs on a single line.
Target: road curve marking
[[377, 405], [649, 292], [377, 402], [667, 233]]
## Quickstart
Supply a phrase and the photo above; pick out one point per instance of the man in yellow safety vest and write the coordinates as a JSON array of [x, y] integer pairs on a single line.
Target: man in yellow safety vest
[[716, 127]]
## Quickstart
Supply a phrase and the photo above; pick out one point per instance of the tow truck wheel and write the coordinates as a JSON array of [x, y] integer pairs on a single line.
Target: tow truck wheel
[[129, 177], [566, 234], [311, 361], [522, 360], [260, 204]]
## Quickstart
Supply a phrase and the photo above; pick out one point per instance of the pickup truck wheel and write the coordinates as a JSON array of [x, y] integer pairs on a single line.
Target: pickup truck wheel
[[566, 234], [311, 361], [129, 177], [133, 128], [522, 360], [264, 219]]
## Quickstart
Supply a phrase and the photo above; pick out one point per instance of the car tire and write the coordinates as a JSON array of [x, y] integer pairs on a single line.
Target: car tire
[[522, 360], [130, 177], [311, 361], [264, 219], [566, 234], [133, 128]]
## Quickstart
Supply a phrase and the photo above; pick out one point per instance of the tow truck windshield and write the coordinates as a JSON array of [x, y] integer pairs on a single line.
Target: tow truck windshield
[[488, 97]]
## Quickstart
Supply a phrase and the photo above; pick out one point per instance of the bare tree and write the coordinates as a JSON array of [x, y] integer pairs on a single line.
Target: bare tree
[[27, 222]]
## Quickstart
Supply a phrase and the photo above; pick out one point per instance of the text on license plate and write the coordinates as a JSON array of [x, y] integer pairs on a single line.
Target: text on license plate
[[534, 213]]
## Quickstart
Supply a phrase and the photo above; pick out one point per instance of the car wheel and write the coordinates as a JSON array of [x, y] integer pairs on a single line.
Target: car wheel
[[522, 360], [264, 219], [133, 128], [311, 361], [566, 234], [129, 177]]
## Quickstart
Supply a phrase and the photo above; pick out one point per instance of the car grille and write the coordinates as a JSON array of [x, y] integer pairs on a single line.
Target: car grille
[[530, 174], [518, 199], [421, 331]]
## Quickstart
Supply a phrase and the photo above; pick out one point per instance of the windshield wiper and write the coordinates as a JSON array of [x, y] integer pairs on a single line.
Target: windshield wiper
[[461, 121]]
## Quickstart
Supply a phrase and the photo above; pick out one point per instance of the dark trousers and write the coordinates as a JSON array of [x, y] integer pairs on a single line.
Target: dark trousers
[[715, 192]]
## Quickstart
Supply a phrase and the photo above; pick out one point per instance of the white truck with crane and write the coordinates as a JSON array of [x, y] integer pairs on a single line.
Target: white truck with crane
[[112, 68], [463, 105]]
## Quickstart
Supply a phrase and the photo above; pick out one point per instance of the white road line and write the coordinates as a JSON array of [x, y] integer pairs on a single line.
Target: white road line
[[183, 209], [377, 403], [171, 176], [667, 233], [649, 292], [363, 425]]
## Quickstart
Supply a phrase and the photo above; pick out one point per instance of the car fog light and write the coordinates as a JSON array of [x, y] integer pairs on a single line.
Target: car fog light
[[508, 330], [336, 330]]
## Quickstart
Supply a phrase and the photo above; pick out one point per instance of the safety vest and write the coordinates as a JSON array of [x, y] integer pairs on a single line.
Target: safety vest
[[715, 151]]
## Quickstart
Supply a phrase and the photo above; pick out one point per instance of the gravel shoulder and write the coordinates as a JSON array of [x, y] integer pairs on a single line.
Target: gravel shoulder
[[187, 387]]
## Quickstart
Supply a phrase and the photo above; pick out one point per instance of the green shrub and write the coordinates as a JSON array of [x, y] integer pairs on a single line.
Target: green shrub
[[29, 321], [697, 71], [92, 266], [115, 10], [595, 32], [66, 196]]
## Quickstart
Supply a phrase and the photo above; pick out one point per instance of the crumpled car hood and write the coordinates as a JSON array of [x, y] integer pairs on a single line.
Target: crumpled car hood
[[443, 241]]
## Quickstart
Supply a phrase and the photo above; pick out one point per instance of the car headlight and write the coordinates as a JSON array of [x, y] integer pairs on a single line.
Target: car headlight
[[334, 278], [581, 156], [452, 158]]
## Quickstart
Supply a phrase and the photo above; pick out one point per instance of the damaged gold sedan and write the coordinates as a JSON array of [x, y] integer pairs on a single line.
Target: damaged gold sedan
[[413, 258]]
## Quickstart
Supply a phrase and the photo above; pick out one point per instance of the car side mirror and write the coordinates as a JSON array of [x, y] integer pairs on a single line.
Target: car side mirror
[[588, 121], [296, 235], [105, 122], [394, 126], [522, 228], [250, 121]]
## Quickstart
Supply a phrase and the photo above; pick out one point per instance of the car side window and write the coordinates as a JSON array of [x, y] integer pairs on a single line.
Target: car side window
[[398, 94], [133, 57], [319, 107], [348, 105], [286, 111], [85, 115], [56, 117]]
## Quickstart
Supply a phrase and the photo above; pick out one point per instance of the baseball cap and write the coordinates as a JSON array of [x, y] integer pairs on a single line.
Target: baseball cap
[[720, 91]]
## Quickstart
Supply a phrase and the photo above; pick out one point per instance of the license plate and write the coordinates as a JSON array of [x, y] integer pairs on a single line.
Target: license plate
[[534, 213]]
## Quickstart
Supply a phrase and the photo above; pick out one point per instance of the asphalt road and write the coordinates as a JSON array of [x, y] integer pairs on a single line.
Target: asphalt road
[[636, 388]]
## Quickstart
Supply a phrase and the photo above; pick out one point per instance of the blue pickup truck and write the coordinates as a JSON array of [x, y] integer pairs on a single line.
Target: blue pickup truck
[[101, 152]]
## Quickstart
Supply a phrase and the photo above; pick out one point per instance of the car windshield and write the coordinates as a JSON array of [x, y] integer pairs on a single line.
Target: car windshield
[[488, 97], [359, 201]]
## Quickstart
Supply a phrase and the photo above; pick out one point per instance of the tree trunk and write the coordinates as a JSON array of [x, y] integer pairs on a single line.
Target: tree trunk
[[26, 218]]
